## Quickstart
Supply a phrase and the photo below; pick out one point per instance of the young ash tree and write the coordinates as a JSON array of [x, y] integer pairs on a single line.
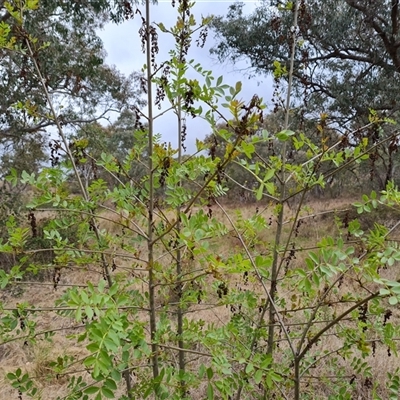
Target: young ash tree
[[170, 292]]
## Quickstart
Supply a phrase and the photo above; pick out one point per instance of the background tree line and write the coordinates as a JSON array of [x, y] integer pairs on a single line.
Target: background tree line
[[348, 63]]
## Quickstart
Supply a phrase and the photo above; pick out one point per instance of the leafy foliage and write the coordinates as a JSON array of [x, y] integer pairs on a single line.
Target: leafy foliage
[[156, 269], [82, 86], [345, 66], [354, 51]]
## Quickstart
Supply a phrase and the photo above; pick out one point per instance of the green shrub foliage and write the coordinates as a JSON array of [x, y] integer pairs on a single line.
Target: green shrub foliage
[[172, 294]]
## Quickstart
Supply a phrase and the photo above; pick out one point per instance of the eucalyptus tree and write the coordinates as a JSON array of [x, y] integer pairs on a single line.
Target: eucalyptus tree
[[347, 65], [83, 87]]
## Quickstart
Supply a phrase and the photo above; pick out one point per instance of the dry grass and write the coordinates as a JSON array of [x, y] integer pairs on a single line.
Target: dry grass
[[35, 357]]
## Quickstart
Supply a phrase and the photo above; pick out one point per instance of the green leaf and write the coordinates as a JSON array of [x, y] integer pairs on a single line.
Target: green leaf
[[110, 384], [24, 378], [114, 337], [202, 371], [101, 285], [270, 188], [11, 376], [259, 192], [284, 135], [84, 296], [32, 4], [91, 390], [269, 174], [110, 345], [313, 257], [238, 87], [249, 368], [248, 149], [113, 289], [4, 279], [13, 177], [289, 6], [275, 377], [210, 391], [78, 314], [315, 279], [267, 361], [258, 376], [265, 134], [393, 300], [116, 375], [93, 347], [162, 27], [199, 234], [263, 261], [396, 290], [307, 284], [89, 312], [269, 381]]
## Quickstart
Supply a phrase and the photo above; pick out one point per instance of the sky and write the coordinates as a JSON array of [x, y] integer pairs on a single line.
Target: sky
[[123, 48]]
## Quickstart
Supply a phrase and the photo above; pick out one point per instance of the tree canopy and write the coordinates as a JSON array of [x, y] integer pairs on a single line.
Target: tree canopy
[[71, 57], [348, 59]]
